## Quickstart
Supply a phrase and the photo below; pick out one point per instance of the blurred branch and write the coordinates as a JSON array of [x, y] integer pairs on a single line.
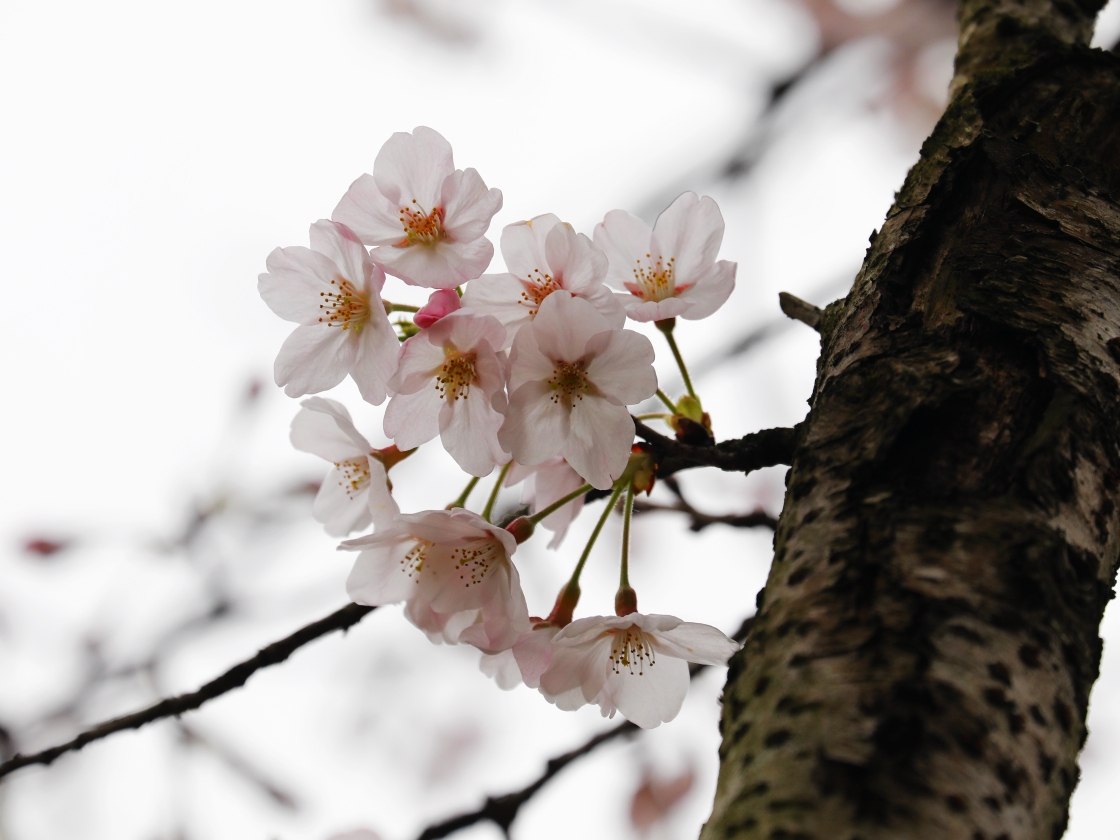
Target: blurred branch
[[765, 448], [239, 765], [502, 810], [755, 519], [235, 677]]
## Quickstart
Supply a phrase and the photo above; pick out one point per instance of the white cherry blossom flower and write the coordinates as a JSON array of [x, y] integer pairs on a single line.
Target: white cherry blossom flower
[[333, 291], [634, 664], [545, 483], [452, 569], [525, 661], [543, 255], [426, 217], [571, 378], [451, 381], [355, 492], [671, 270]]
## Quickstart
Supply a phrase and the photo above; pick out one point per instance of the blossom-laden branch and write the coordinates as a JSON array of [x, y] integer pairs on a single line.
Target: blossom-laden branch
[[235, 677], [765, 448], [502, 810]]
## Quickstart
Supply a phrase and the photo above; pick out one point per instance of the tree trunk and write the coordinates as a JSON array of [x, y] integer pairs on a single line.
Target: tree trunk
[[922, 658]]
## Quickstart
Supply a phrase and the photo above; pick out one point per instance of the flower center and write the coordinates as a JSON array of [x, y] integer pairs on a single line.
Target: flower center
[[355, 475], [412, 564], [421, 228], [456, 376], [631, 649], [344, 306], [538, 286], [655, 281], [473, 562], [568, 380]]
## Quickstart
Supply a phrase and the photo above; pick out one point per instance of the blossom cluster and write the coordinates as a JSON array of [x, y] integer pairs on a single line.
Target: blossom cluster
[[531, 371]]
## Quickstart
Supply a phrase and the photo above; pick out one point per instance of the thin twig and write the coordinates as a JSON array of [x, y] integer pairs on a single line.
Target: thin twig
[[502, 810], [755, 519], [766, 448], [235, 677]]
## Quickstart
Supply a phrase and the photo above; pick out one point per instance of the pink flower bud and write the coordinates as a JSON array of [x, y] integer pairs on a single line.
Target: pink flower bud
[[522, 528], [441, 302]]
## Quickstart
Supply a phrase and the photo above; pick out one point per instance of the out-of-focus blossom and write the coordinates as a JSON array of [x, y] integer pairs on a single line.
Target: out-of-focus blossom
[[634, 664], [525, 661], [427, 218], [356, 490], [452, 569], [543, 255], [333, 291], [656, 798], [440, 302], [45, 546], [451, 382], [545, 483], [571, 378], [671, 269]]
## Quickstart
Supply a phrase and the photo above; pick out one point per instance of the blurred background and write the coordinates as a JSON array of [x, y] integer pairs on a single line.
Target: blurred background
[[155, 523]]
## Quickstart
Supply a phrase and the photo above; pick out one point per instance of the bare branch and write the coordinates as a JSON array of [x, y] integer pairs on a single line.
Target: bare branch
[[502, 810], [766, 448], [235, 677], [800, 310], [755, 519]]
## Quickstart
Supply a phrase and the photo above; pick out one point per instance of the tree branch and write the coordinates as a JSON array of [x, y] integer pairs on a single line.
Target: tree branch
[[235, 677], [502, 810], [765, 448], [755, 519]]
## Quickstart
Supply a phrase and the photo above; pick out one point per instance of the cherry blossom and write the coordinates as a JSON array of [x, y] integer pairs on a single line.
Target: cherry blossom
[[545, 483], [452, 569], [451, 382], [634, 664], [543, 255], [670, 270], [440, 302], [571, 378], [525, 661], [333, 291], [427, 218], [355, 492]]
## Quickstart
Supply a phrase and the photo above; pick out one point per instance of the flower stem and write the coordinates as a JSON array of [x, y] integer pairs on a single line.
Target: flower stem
[[489, 509], [627, 515], [618, 487], [666, 328], [461, 501], [657, 415], [555, 506], [399, 307], [668, 402]]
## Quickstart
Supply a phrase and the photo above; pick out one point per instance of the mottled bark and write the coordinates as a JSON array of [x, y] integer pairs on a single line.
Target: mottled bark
[[927, 640]]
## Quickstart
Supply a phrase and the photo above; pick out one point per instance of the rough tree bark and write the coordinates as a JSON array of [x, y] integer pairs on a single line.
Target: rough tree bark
[[925, 645]]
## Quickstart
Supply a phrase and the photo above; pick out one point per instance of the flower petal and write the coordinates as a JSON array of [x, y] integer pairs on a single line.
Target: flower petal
[[503, 297], [444, 265], [622, 366], [378, 577], [599, 439], [655, 310], [340, 512], [341, 245], [413, 419], [523, 246], [314, 358], [564, 324], [713, 287], [651, 694], [625, 239], [575, 262], [690, 231], [694, 642], [469, 432], [468, 206], [323, 427], [376, 364], [535, 426], [368, 213], [412, 167], [293, 284]]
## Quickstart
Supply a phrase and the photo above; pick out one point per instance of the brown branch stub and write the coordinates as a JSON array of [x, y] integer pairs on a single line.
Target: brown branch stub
[[235, 677], [800, 310], [765, 448], [700, 520]]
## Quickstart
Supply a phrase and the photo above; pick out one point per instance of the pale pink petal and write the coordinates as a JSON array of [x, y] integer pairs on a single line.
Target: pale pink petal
[[655, 310], [625, 239], [342, 246], [621, 366], [379, 577], [444, 265], [340, 512], [533, 653], [413, 419], [465, 330], [575, 262], [418, 362], [502, 296], [294, 281], [608, 304], [376, 364], [693, 642], [565, 672], [564, 324], [374, 218], [469, 432], [713, 287], [689, 230], [536, 426], [412, 167], [648, 694], [554, 480], [502, 668], [383, 509], [468, 206], [587, 631], [599, 440], [314, 358], [323, 427], [526, 362], [523, 246], [505, 618], [440, 303]]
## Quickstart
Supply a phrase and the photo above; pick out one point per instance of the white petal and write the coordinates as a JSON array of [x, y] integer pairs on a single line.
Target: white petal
[[296, 276], [341, 245], [468, 206], [323, 427], [622, 367], [526, 362], [444, 265], [608, 304], [502, 668], [373, 217], [599, 439], [645, 311], [555, 479], [413, 419], [564, 324], [341, 513], [694, 642], [465, 331], [469, 432], [314, 358], [503, 297], [413, 167], [533, 653], [712, 289], [625, 239], [377, 577], [690, 230], [376, 363], [383, 509], [418, 362], [535, 426], [523, 246], [651, 694], [579, 265]]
